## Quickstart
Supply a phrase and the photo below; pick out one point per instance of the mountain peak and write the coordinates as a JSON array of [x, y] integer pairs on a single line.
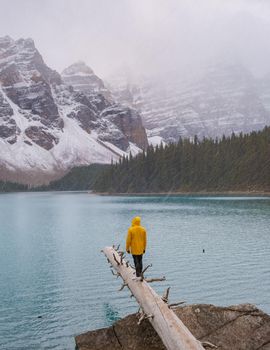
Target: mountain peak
[[82, 78], [78, 68], [28, 42], [5, 41]]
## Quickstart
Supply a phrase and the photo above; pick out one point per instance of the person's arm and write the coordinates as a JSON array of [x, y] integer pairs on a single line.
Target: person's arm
[[128, 241], [144, 241]]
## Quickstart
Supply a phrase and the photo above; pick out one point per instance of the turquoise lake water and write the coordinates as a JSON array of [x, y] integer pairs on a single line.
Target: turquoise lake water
[[55, 283]]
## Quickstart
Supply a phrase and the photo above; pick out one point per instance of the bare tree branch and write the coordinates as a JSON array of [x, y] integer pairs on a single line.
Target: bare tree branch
[[121, 258], [117, 262], [150, 280], [209, 345], [176, 304], [147, 267], [144, 317], [122, 287], [117, 274], [165, 296]]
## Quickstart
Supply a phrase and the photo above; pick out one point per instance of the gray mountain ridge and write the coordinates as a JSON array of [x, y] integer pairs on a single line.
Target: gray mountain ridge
[[225, 98], [50, 123]]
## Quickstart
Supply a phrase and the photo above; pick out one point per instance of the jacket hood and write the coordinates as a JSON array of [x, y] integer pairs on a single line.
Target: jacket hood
[[136, 221]]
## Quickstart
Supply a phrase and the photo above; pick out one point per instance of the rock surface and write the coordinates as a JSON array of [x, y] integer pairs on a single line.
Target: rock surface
[[240, 327], [114, 122]]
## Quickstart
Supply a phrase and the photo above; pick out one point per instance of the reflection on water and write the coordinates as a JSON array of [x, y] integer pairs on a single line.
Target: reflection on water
[[55, 283]]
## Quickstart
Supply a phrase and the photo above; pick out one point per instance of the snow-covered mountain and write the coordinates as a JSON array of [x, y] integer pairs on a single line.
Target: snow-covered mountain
[[50, 123], [222, 99]]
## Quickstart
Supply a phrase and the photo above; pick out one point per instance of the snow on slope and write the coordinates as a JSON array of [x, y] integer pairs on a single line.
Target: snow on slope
[[75, 146], [156, 141], [48, 126]]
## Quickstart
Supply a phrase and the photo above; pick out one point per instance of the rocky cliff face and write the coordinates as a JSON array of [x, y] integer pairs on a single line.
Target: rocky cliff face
[[128, 121], [241, 327], [49, 124], [223, 99], [83, 79], [26, 90], [122, 123]]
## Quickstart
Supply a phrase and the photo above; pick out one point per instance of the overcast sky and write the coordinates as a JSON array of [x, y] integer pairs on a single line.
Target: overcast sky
[[144, 35]]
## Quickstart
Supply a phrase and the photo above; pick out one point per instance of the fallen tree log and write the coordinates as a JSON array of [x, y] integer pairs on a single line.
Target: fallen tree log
[[173, 333]]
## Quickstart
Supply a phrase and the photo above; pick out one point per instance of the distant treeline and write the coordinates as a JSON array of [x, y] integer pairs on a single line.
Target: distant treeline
[[235, 163], [78, 179], [6, 186]]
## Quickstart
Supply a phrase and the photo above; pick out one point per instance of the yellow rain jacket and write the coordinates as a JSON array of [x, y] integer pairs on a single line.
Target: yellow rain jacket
[[136, 237]]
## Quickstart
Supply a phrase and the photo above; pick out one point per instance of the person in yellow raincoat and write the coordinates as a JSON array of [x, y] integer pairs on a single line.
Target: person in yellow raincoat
[[136, 243]]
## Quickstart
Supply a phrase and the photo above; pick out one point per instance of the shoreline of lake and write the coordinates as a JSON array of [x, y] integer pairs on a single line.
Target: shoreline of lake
[[187, 193], [157, 194]]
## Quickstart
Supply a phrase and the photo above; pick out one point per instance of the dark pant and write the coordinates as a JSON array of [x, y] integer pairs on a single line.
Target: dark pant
[[138, 264]]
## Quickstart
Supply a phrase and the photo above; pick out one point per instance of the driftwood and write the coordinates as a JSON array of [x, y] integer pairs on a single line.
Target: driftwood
[[173, 333]]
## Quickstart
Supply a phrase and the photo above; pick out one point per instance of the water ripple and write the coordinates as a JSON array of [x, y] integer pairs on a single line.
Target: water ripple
[[55, 283]]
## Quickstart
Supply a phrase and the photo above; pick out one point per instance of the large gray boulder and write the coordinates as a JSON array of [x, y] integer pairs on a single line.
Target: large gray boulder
[[240, 327]]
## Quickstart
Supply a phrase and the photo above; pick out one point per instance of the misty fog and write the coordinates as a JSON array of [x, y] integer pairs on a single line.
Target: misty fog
[[144, 37]]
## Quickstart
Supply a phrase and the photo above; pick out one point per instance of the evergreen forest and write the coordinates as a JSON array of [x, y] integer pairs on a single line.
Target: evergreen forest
[[6, 186], [235, 163]]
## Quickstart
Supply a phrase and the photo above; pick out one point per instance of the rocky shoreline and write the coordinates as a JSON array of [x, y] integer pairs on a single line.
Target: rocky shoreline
[[237, 327]]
